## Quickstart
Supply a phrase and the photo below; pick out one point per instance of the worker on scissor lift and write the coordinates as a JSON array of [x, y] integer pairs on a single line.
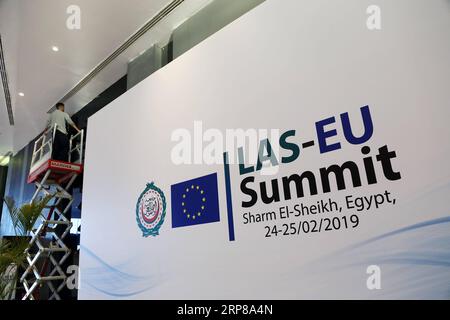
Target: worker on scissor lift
[[62, 141]]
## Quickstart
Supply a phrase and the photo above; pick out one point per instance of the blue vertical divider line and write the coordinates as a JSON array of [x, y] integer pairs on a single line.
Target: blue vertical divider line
[[226, 167]]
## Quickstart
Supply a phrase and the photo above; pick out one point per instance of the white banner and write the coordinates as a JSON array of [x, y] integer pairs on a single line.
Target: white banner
[[339, 114]]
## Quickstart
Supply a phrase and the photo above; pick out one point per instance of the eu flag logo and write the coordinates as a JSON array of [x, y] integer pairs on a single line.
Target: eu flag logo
[[195, 201]]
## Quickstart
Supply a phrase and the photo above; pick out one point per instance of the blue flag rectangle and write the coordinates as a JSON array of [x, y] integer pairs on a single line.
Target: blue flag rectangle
[[195, 201]]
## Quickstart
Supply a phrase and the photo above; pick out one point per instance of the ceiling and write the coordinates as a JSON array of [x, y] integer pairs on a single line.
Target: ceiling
[[29, 29]]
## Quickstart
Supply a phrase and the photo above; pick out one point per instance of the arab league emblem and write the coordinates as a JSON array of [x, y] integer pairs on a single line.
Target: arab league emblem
[[151, 210]]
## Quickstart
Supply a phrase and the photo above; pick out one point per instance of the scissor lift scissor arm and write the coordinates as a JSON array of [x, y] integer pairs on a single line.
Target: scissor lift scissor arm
[[55, 178]]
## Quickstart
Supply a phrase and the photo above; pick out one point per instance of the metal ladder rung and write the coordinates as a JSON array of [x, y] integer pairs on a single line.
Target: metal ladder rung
[[56, 250], [51, 278], [59, 222]]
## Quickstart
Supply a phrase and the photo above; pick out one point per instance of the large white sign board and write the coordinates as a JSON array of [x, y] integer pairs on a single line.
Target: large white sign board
[[287, 65]]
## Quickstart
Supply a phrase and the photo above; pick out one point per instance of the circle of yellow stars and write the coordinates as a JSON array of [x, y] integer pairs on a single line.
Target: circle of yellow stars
[[190, 215]]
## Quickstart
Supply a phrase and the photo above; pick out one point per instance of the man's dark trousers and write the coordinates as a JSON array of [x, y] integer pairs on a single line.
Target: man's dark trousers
[[61, 146]]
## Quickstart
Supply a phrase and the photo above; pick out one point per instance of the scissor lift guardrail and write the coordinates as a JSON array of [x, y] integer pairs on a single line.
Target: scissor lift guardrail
[[55, 178]]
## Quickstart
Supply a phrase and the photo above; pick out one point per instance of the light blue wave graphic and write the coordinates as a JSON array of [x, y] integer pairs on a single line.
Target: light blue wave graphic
[[114, 282], [414, 263], [414, 260], [413, 227]]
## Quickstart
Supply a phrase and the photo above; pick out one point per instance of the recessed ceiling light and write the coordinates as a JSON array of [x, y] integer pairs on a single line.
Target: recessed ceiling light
[[21, 94], [55, 48], [4, 160]]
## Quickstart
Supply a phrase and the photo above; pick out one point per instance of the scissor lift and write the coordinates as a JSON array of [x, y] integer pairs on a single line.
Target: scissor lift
[[51, 177]]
